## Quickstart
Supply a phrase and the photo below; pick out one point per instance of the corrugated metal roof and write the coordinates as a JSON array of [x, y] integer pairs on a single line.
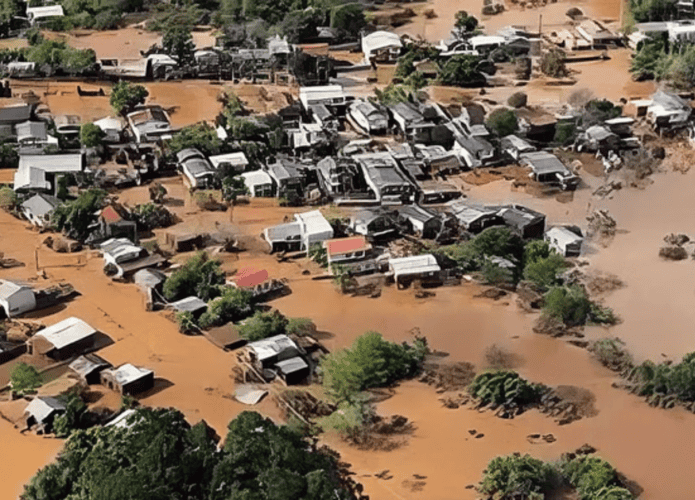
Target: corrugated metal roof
[[52, 163], [415, 264], [272, 346], [41, 204], [9, 288], [84, 365], [41, 407], [189, 304], [126, 374], [292, 365], [66, 332]]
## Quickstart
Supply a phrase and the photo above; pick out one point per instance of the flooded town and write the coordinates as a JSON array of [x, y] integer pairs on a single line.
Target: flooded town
[[329, 250]]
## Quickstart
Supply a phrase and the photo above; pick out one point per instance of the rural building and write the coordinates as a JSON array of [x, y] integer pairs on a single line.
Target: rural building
[[424, 222], [474, 218], [12, 116], [42, 411], [523, 221], [31, 133], [352, 248], [128, 379], [548, 169], [484, 44], [69, 125], [88, 368], [287, 178], [112, 129], [149, 124], [473, 151], [119, 250], [268, 352], [314, 228], [621, 125], [597, 34], [370, 118], [149, 279], [63, 340], [193, 305], [436, 192], [514, 146], [381, 46], [16, 299], [293, 370], [384, 178], [35, 171], [39, 14], [10, 350], [420, 124], [196, 168], [419, 267], [307, 228], [236, 161], [259, 184], [123, 421], [567, 241], [438, 160], [374, 224], [38, 209], [331, 96], [668, 110], [337, 175], [536, 123], [113, 223]]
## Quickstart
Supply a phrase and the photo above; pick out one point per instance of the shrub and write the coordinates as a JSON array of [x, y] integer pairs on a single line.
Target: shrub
[[75, 217], [91, 136], [348, 419], [462, 71], [317, 253], [73, 417], [544, 272], [565, 132], [178, 43], [569, 304], [496, 275], [553, 63], [611, 353], [667, 380], [502, 122], [262, 325], [25, 379], [200, 136], [233, 305], [8, 198], [518, 100], [499, 241], [370, 362], [125, 96], [600, 110], [505, 388], [199, 276], [516, 476], [300, 327], [186, 322], [464, 22], [591, 475]]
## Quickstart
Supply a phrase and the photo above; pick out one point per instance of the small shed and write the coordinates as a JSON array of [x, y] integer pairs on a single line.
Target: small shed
[[407, 269], [16, 299], [523, 221], [38, 209], [193, 305], [63, 340], [149, 279], [293, 370], [268, 352], [128, 379], [567, 241], [42, 411], [88, 368]]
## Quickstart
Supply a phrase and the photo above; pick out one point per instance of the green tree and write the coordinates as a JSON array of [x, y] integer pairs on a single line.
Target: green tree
[[8, 198], [348, 19], [77, 62], [505, 388], [499, 241], [553, 63], [565, 132], [75, 217], [262, 325], [599, 110], [200, 136], [199, 276], [645, 62], [233, 305], [186, 322], [516, 476], [393, 94], [73, 418], [25, 379], [91, 136], [465, 23], [502, 122], [8, 10], [652, 10], [569, 304], [461, 71], [125, 96], [593, 477], [9, 157], [544, 272], [300, 327], [178, 43], [496, 275]]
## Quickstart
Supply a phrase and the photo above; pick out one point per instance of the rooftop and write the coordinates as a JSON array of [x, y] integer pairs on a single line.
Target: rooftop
[[351, 244], [126, 374], [272, 346], [66, 332]]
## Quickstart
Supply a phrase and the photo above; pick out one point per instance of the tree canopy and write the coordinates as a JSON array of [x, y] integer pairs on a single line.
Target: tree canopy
[[74, 217], [178, 43], [199, 276], [125, 96], [502, 122], [25, 379], [91, 136], [461, 71], [262, 325]]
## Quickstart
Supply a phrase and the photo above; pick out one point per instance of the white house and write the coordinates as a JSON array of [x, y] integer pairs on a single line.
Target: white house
[[259, 183], [565, 241], [16, 299], [415, 267], [381, 46], [195, 167], [38, 209], [35, 14], [112, 128], [328, 95], [315, 228], [32, 169], [238, 161]]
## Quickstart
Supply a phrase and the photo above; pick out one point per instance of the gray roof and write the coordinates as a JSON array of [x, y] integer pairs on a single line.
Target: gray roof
[[31, 130], [408, 111], [291, 365], [670, 101], [189, 304], [544, 163], [520, 216], [474, 145], [15, 114], [72, 162], [284, 170], [42, 407], [126, 374], [88, 363], [381, 168], [418, 213], [188, 153], [41, 204], [149, 278]]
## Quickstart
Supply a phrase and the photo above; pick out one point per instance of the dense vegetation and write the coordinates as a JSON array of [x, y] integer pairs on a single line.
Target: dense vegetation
[[74, 217], [199, 276], [502, 122], [125, 96], [676, 380], [372, 361], [262, 325], [233, 305], [515, 476], [162, 457], [571, 305], [25, 379], [505, 388]]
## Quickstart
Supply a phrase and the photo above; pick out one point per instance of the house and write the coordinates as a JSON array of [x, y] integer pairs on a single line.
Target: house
[[158, 65], [119, 253], [597, 34], [324, 117], [536, 123], [474, 218], [42, 411], [38, 14], [420, 123], [523, 221], [11, 350], [236, 162], [68, 124], [384, 178], [381, 46], [419, 267], [433, 192], [331, 96], [38, 209], [12, 116], [16, 299], [514, 146], [149, 124], [123, 420], [35, 171], [566, 240], [473, 151], [88, 368], [424, 222], [374, 224], [307, 228], [287, 178], [266, 353], [31, 133], [548, 169], [259, 183], [412, 164], [293, 370], [427, 68], [337, 176], [438, 159], [484, 44], [600, 138], [368, 117], [128, 379], [196, 168], [112, 129], [63, 340], [17, 69], [193, 305], [113, 222], [622, 125], [348, 249], [149, 279], [668, 111]]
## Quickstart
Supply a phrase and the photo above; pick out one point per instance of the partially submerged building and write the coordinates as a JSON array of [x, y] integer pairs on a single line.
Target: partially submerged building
[[41, 412], [16, 299], [88, 368], [375, 224], [405, 270], [548, 169], [668, 111], [567, 241], [38, 172], [259, 184], [281, 355], [196, 168], [128, 379], [63, 340], [384, 178], [149, 124], [345, 250], [307, 228], [369, 117], [381, 46]]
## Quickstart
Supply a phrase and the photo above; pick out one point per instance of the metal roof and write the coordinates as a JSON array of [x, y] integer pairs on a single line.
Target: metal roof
[[66, 332], [41, 407], [9, 288], [235, 159], [189, 304], [127, 374], [86, 364], [414, 265], [562, 235], [52, 163], [292, 365], [256, 178], [47, 11], [31, 130], [41, 204], [544, 163], [272, 346], [30, 178], [380, 40], [313, 222]]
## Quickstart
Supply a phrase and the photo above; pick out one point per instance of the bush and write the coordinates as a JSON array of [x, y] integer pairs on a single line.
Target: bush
[[553, 63], [499, 241], [593, 478], [199, 276], [263, 325], [200, 136], [125, 96], [464, 22], [75, 217], [544, 272], [318, 254], [496, 275], [25, 379], [300, 327], [462, 71], [518, 100], [348, 19], [517, 476], [565, 132], [393, 94], [502, 122], [73, 417], [8, 198], [348, 419], [370, 362], [9, 157], [91, 136], [233, 305], [600, 110], [569, 304], [178, 43], [611, 353], [186, 322], [505, 388], [667, 380]]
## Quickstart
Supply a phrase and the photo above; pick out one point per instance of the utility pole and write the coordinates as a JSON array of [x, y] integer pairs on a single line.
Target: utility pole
[[540, 25]]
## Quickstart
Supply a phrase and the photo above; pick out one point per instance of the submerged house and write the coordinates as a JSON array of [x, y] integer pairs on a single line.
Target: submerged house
[[196, 168], [566, 240], [548, 169], [384, 178], [41, 412], [331, 96], [38, 172], [350, 249], [523, 221], [287, 178], [405, 270], [337, 175], [128, 379], [307, 228], [38, 209], [474, 218], [16, 299], [424, 222], [374, 224], [473, 151], [668, 111], [237, 162], [381, 46], [280, 354], [149, 124], [88, 368], [63, 340], [370, 118]]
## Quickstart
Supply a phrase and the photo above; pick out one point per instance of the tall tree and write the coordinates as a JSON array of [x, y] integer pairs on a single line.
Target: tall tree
[[178, 43]]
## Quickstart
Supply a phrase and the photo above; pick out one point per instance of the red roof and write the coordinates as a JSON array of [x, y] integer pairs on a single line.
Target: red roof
[[110, 215], [346, 245], [250, 277]]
